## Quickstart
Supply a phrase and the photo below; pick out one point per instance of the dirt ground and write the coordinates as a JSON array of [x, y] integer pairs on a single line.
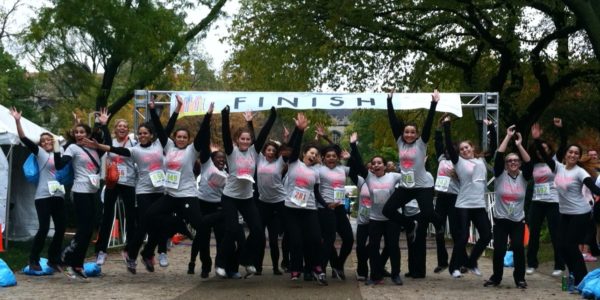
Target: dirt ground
[[173, 283]]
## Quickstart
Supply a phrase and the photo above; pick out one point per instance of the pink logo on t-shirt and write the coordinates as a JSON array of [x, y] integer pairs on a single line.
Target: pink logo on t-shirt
[[174, 159], [541, 175], [562, 181], [407, 157]]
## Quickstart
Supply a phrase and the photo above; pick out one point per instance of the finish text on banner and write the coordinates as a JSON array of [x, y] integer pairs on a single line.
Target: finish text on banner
[[196, 103]]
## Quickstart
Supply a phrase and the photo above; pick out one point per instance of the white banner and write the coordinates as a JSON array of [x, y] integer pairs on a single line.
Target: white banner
[[196, 103]]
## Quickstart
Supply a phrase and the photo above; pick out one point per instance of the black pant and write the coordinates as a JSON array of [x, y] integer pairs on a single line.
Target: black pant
[[362, 253], [417, 251], [344, 230], [271, 217], [144, 201], [327, 224], [401, 196], [444, 207], [302, 228], [52, 207], [201, 242], [248, 210], [390, 231], [161, 211], [537, 212], [480, 220], [571, 233], [74, 253], [127, 194], [503, 229]]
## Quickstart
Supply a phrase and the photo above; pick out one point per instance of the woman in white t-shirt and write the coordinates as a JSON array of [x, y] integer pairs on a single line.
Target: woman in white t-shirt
[[575, 211]]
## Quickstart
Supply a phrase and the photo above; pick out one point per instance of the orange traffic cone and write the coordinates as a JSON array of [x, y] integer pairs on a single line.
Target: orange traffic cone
[[1, 240], [115, 234]]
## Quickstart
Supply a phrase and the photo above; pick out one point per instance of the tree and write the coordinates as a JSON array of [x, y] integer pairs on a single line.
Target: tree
[[416, 45], [588, 14], [15, 85], [130, 41]]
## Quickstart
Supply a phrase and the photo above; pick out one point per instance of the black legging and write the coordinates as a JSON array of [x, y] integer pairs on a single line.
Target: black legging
[[417, 251], [144, 201], [162, 210], [537, 212], [571, 233], [327, 225], [390, 231], [127, 194], [362, 252], [74, 253], [503, 229], [302, 227], [271, 217], [480, 220], [344, 230], [401, 196], [201, 243], [444, 208], [248, 210], [52, 207]]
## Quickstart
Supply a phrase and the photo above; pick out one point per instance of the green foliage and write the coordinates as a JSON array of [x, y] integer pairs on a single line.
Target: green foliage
[[15, 85]]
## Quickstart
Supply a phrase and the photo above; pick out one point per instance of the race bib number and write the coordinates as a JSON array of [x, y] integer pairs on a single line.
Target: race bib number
[[364, 209], [122, 173], [442, 183], [94, 180], [300, 196], [246, 177], [512, 207], [541, 191], [54, 186], [172, 179], [339, 194], [158, 178], [408, 179], [217, 179]]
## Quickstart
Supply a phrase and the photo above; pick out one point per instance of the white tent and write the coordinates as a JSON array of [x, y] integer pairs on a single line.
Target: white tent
[[19, 214]]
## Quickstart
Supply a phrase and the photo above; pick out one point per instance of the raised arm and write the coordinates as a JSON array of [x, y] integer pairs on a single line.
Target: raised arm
[[203, 144], [560, 152], [396, 124], [590, 184], [438, 143], [226, 131], [264, 131], [357, 165], [435, 98], [160, 132], [536, 132], [91, 143], [527, 165], [301, 124], [249, 116], [448, 138], [320, 130], [493, 141], [173, 119], [27, 142]]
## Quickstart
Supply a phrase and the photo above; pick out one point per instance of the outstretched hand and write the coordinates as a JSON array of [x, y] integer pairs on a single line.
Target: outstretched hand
[[345, 155], [519, 139], [320, 130], [15, 114], [536, 131], [510, 131], [435, 97], [211, 108], [90, 143], [248, 115], [557, 122], [391, 94], [286, 133], [103, 116], [354, 138], [179, 103], [301, 121], [446, 119]]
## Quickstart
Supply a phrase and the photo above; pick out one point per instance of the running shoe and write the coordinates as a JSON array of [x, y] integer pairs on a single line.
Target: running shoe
[[530, 271], [221, 272], [320, 277], [475, 271], [557, 273], [163, 260], [295, 276], [522, 284], [191, 267], [250, 271], [204, 274], [68, 271], [130, 263], [490, 282], [456, 274], [397, 280], [338, 273], [439, 269], [80, 272], [101, 258], [412, 235], [148, 262]]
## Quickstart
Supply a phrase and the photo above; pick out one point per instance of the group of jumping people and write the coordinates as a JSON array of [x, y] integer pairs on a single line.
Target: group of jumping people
[[297, 191]]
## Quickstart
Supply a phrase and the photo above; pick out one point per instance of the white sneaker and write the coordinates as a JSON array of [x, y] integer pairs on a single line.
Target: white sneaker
[[530, 271], [221, 272], [557, 273], [475, 271], [163, 260], [101, 258], [456, 274], [250, 271]]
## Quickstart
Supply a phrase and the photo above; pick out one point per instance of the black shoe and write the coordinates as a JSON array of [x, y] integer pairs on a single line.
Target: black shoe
[[191, 267], [277, 272], [522, 284], [407, 275], [204, 274], [397, 280], [338, 273], [148, 263], [439, 269], [464, 270], [80, 272], [321, 278], [490, 282]]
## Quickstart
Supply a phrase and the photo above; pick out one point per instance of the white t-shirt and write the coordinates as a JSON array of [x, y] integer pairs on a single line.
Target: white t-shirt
[[333, 183], [412, 163], [472, 175], [543, 188], [86, 174], [568, 184], [212, 182], [126, 166], [47, 185], [269, 180], [510, 197], [149, 161], [179, 170], [381, 189], [242, 165], [300, 184]]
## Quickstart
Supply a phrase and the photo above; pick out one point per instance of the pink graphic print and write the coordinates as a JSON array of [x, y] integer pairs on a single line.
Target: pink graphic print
[[407, 157], [174, 159]]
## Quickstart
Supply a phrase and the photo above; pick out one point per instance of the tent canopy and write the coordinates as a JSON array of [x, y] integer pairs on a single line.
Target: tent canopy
[[8, 129]]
